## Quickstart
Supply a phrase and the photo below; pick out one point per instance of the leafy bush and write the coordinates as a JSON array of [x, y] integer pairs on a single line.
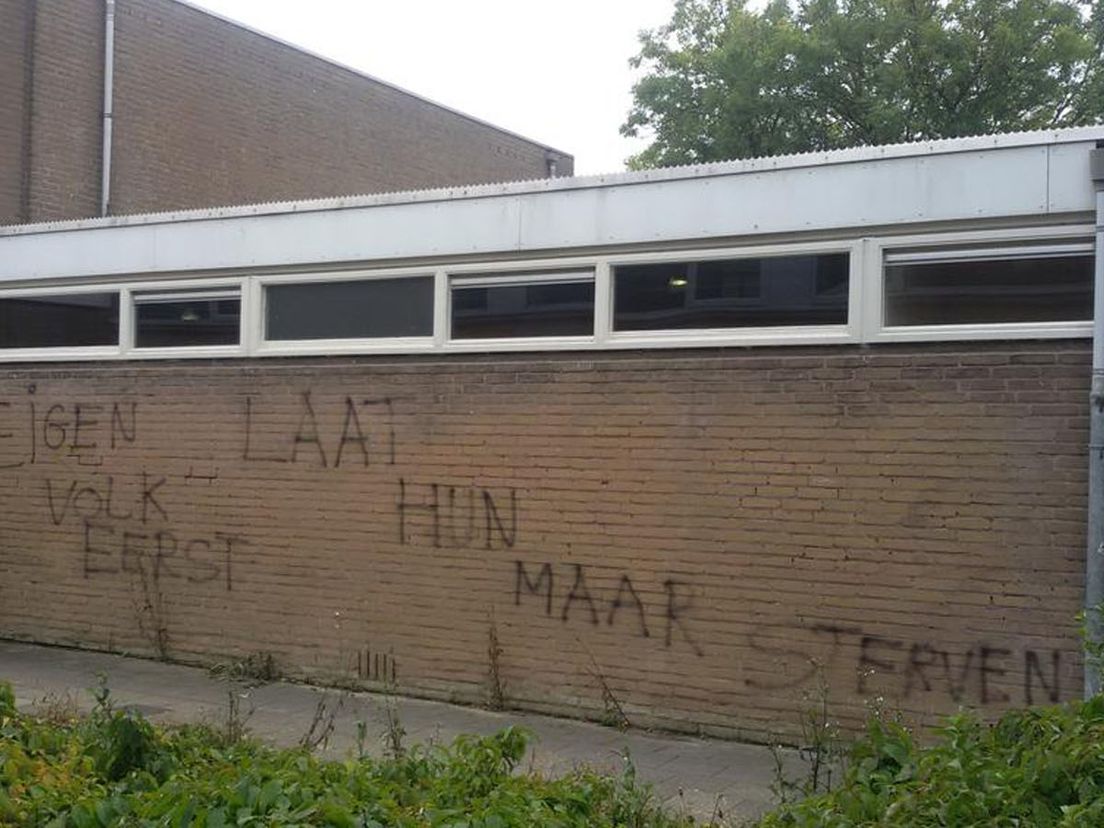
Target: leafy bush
[[113, 768], [1038, 767]]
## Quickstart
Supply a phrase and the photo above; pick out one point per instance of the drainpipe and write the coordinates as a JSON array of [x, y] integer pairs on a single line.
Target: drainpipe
[[1094, 562], [108, 105]]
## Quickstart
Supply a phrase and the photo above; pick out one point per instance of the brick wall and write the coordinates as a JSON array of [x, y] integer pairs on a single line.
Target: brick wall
[[13, 34], [66, 106], [692, 527], [208, 113]]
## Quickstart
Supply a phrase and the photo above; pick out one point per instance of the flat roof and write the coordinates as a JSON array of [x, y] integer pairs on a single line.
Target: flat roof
[[992, 177]]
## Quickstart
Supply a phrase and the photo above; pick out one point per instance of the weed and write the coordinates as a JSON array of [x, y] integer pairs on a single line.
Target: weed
[[821, 748], [152, 612], [1090, 629], [241, 677], [1039, 766], [361, 739], [50, 779], [717, 817], [393, 732], [784, 789], [7, 701], [613, 714], [254, 670], [239, 710], [57, 709], [496, 690], [633, 804], [322, 722], [101, 695], [120, 742]]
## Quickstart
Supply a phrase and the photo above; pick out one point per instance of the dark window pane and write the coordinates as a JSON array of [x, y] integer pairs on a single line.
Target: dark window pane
[[59, 321], [1048, 289], [364, 309], [540, 309], [187, 322], [732, 293]]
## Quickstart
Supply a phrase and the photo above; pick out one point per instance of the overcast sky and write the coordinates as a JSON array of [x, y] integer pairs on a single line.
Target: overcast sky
[[556, 72]]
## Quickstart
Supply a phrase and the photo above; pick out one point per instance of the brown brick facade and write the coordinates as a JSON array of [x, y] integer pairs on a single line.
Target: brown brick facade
[[208, 113], [691, 527], [13, 77]]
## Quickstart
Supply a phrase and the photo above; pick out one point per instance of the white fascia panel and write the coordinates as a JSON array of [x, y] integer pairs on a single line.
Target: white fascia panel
[[1070, 187], [1011, 182], [391, 232], [1005, 183], [318, 238]]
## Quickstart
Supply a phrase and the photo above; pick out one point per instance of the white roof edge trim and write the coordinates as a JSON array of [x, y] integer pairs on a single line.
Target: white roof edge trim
[[766, 164], [368, 76]]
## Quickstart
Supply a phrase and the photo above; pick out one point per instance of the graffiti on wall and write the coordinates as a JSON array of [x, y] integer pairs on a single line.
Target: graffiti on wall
[[457, 516], [122, 521], [355, 443], [81, 431], [123, 525], [904, 669], [571, 596]]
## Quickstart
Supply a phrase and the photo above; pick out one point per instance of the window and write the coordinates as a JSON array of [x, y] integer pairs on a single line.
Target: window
[[360, 309], [732, 293], [68, 321], [523, 305], [187, 318], [986, 286]]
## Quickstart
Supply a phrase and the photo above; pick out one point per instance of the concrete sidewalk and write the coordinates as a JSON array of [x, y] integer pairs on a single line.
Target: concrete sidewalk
[[697, 776]]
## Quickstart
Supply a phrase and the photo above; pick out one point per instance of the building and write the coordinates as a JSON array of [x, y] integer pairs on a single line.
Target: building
[[201, 112], [688, 436]]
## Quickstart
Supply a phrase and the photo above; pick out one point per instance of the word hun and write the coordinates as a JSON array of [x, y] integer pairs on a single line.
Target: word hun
[[457, 516]]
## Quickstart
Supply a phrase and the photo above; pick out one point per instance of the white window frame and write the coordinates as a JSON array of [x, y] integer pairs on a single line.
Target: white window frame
[[1003, 244], [263, 346], [224, 288], [541, 272], [774, 335], [66, 353], [868, 256]]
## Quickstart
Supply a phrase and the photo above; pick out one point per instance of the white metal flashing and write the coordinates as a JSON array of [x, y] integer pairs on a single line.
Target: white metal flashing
[[1053, 139], [994, 178]]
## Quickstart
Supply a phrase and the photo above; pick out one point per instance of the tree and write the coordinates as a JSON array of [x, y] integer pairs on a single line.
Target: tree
[[722, 81]]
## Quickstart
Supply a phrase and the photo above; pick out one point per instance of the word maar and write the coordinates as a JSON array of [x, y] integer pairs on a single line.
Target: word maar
[[596, 606]]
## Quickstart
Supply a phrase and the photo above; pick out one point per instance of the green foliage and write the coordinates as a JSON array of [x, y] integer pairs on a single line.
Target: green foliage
[[821, 749], [723, 82], [115, 769], [7, 701], [1039, 767]]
